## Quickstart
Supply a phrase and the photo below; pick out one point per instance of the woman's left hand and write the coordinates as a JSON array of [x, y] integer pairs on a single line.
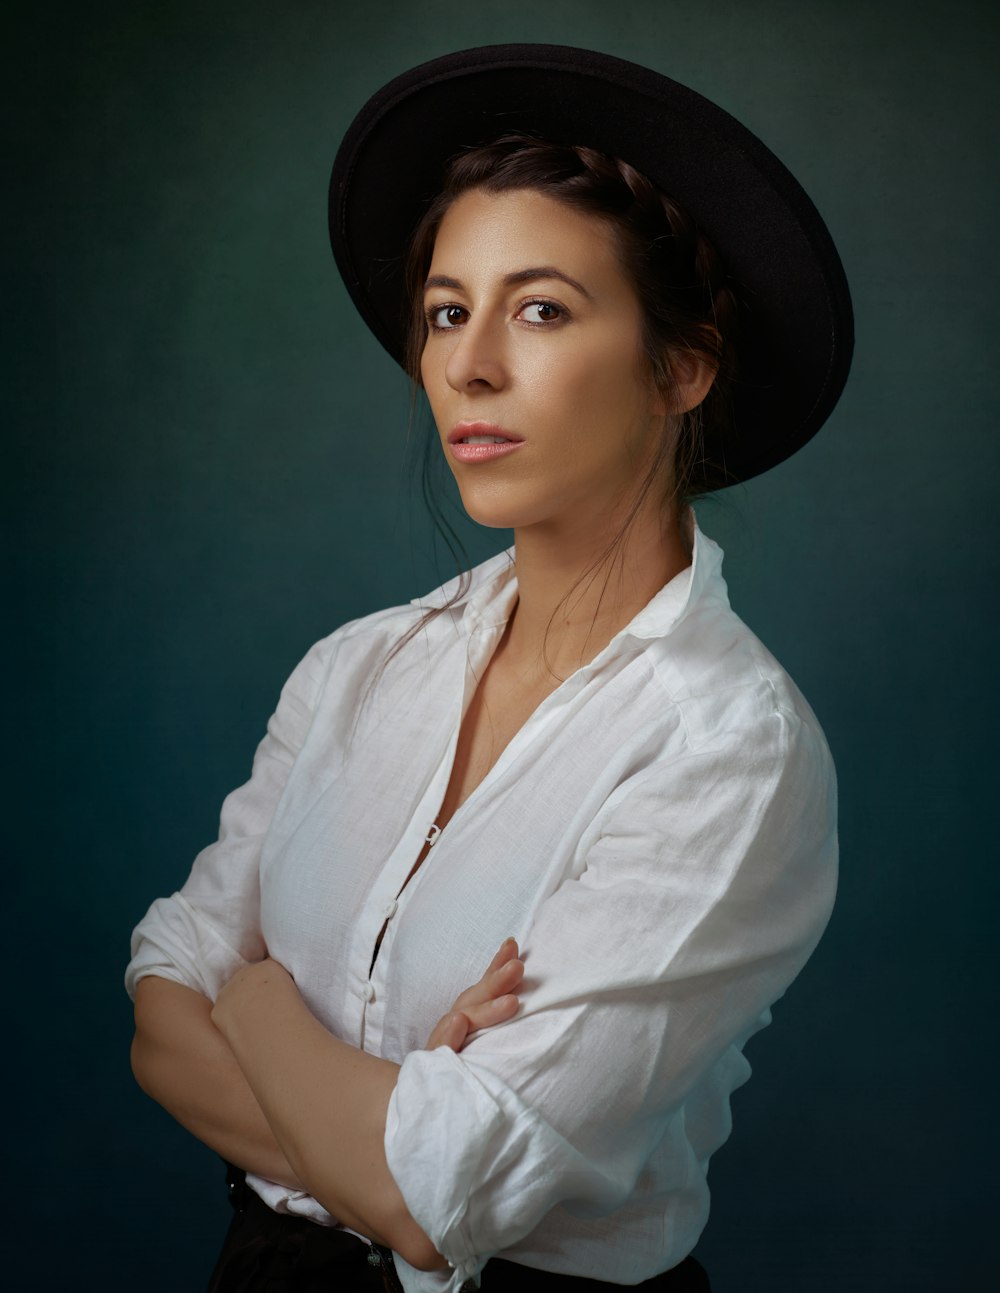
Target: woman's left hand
[[490, 1001]]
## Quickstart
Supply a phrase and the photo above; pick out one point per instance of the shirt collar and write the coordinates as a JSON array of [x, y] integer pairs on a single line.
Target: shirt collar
[[700, 581], [492, 590], [489, 593]]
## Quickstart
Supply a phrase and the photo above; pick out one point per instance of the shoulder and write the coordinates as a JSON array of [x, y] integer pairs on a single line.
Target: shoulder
[[744, 782], [722, 678], [710, 670], [364, 643], [737, 733]]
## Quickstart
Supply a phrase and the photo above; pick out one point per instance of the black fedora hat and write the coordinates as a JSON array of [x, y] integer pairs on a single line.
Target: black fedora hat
[[796, 351]]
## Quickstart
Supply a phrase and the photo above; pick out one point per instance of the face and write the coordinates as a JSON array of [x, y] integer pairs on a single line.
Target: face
[[534, 367]]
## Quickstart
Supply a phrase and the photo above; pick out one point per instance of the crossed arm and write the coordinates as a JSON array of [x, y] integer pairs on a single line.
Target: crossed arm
[[259, 1079]]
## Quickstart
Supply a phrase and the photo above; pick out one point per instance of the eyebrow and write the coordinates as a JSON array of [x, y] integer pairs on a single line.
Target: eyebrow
[[530, 275]]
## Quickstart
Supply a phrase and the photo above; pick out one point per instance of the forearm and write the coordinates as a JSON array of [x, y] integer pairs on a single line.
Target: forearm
[[326, 1102], [183, 1062]]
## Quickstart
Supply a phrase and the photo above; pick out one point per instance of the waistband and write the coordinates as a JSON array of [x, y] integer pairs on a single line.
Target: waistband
[[263, 1245]]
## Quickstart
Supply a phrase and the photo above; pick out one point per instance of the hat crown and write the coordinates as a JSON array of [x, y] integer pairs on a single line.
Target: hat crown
[[796, 353]]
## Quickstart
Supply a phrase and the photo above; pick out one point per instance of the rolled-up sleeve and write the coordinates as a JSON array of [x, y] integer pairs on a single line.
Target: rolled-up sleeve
[[707, 888], [201, 935]]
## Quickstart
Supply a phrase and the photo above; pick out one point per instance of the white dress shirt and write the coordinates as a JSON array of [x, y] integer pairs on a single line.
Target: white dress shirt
[[659, 837]]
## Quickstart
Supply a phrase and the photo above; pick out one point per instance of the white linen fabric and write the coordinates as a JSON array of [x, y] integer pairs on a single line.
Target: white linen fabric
[[660, 838]]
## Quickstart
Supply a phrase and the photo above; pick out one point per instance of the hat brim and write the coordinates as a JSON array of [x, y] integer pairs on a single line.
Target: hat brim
[[798, 338]]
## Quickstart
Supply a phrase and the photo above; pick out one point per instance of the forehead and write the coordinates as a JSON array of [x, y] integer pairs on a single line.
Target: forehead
[[500, 232]]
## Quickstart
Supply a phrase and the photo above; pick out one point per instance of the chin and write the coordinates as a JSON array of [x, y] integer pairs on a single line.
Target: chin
[[491, 519], [490, 509]]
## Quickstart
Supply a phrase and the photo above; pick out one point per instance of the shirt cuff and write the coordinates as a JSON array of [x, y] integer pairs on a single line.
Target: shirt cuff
[[173, 941], [416, 1133], [477, 1167]]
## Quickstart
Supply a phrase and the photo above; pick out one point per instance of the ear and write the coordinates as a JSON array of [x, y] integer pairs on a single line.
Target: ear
[[693, 377], [692, 373]]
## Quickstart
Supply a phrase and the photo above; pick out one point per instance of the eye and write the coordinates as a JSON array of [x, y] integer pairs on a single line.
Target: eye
[[442, 318], [537, 312]]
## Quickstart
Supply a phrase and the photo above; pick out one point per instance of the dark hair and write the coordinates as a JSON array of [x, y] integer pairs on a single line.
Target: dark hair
[[688, 305]]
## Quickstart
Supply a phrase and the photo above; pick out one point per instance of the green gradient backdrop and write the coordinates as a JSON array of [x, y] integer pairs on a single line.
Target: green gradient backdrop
[[209, 473]]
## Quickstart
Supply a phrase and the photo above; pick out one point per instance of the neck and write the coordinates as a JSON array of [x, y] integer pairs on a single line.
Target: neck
[[571, 603]]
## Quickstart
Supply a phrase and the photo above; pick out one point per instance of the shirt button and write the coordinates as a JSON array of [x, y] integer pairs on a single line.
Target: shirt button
[[368, 992], [391, 910]]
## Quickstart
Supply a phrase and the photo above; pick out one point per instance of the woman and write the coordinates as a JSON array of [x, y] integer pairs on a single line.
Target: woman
[[577, 745]]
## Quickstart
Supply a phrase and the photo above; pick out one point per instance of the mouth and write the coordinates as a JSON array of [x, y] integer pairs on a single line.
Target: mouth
[[481, 442], [481, 433]]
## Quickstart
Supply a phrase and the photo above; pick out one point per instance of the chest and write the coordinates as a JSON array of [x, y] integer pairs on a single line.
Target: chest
[[500, 707], [518, 786]]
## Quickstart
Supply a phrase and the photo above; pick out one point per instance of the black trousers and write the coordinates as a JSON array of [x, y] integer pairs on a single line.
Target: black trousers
[[270, 1252]]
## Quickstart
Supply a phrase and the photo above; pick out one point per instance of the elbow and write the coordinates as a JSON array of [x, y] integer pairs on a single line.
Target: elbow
[[146, 1066], [381, 1213], [413, 1245], [146, 1053], [422, 1255], [141, 1054], [138, 1057], [427, 1261]]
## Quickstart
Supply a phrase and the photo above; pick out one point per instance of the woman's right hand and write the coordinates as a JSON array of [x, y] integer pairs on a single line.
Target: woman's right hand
[[490, 1001]]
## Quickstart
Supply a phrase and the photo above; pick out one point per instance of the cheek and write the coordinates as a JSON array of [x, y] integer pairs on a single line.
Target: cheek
[[567, 378], [597, 388]]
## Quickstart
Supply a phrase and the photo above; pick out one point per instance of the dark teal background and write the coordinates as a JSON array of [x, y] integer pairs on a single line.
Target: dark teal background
[[207, 471]]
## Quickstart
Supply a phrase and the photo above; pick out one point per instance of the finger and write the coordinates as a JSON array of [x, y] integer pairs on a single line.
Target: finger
[[490, 1013], [494, 983], [506, 979], [451, 1030], [508, 950], [511, 973]]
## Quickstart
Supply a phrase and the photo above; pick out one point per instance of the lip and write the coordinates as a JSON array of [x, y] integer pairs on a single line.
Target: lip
[[507, 442], [461, 430]]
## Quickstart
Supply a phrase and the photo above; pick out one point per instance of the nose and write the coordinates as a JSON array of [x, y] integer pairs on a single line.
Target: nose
[[477, 361]]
